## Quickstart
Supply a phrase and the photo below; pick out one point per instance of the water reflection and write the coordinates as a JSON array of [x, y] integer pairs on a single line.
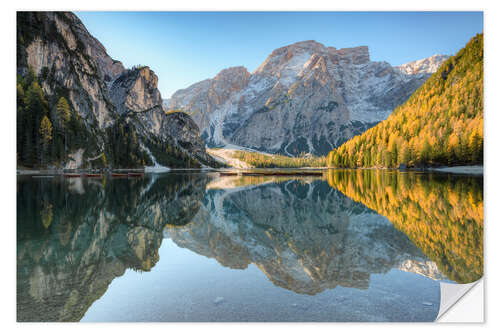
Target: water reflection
[[441, 213], [75, 236], [307, 235]]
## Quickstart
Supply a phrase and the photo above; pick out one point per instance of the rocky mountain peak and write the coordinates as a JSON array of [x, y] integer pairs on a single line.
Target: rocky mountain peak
[[355, 55], [136, 90], [290, 58], [304, 98], [232, 78], [91, 46], [231, 71], [308, 45], [427, 65]]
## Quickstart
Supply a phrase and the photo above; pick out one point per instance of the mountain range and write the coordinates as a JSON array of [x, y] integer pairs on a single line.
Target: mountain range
[[79, 108], [304, 98]]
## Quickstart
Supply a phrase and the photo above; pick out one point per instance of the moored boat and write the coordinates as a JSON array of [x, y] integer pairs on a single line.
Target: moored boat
[[316, 174], [72, 175], [119, 175], [93, 175], [133, 174], [228, 174]]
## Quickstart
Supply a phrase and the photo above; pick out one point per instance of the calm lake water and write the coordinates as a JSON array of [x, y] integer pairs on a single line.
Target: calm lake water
[[352, 245]]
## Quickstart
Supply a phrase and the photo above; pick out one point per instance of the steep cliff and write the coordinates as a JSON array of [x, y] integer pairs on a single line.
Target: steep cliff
[[304, 98], [139, 104], [87, 98]]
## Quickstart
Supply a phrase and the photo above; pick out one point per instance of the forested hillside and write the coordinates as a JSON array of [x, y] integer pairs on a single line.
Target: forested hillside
[[79, 108], [440, 124], [47, 130]]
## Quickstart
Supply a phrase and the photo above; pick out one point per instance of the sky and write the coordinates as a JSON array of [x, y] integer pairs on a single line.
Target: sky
[[183, 48]]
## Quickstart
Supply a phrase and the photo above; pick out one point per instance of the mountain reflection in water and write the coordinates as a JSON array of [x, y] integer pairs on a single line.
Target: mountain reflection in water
[[91, 232], [74, 236]]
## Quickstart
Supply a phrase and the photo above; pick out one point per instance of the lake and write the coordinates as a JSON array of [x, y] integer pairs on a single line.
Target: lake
[[351, 245]]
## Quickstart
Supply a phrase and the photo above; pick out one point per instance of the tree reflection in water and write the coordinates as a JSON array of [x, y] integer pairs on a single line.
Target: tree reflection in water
[[441, 213]]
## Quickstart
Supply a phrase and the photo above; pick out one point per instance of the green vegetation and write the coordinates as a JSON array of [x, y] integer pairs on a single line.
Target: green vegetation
[[49, 129], [441, 123], [259, 160], [122, 148], [138, 67], [169, 155], [44, 137]]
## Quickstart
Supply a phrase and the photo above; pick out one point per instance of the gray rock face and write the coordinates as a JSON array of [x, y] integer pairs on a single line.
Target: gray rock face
[[136, 90], [210, 94], [58, 47], [304, 98], [138, 98], [73, 59], [185, 133]]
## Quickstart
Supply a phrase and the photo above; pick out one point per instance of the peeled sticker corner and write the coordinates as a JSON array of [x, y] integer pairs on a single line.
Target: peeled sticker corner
[[461, 303]]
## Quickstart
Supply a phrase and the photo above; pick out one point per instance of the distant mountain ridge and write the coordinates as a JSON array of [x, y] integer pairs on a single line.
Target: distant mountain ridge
[[304, 98], [427, 65]]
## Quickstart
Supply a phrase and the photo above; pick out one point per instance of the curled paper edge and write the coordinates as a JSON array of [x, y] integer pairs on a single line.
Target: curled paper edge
[[454, 296]]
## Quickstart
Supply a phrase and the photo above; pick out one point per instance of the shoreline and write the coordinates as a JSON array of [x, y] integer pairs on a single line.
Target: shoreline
[[464, 169], [22, 172]]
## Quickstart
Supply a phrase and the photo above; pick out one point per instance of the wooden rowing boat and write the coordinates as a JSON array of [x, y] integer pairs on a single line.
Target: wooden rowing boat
[[72, 175], [119, 175], [131, 174], [316, 174], [228, 174], [93, 175]]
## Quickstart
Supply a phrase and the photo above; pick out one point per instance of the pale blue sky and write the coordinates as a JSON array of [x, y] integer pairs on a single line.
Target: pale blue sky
[[186, 47]]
